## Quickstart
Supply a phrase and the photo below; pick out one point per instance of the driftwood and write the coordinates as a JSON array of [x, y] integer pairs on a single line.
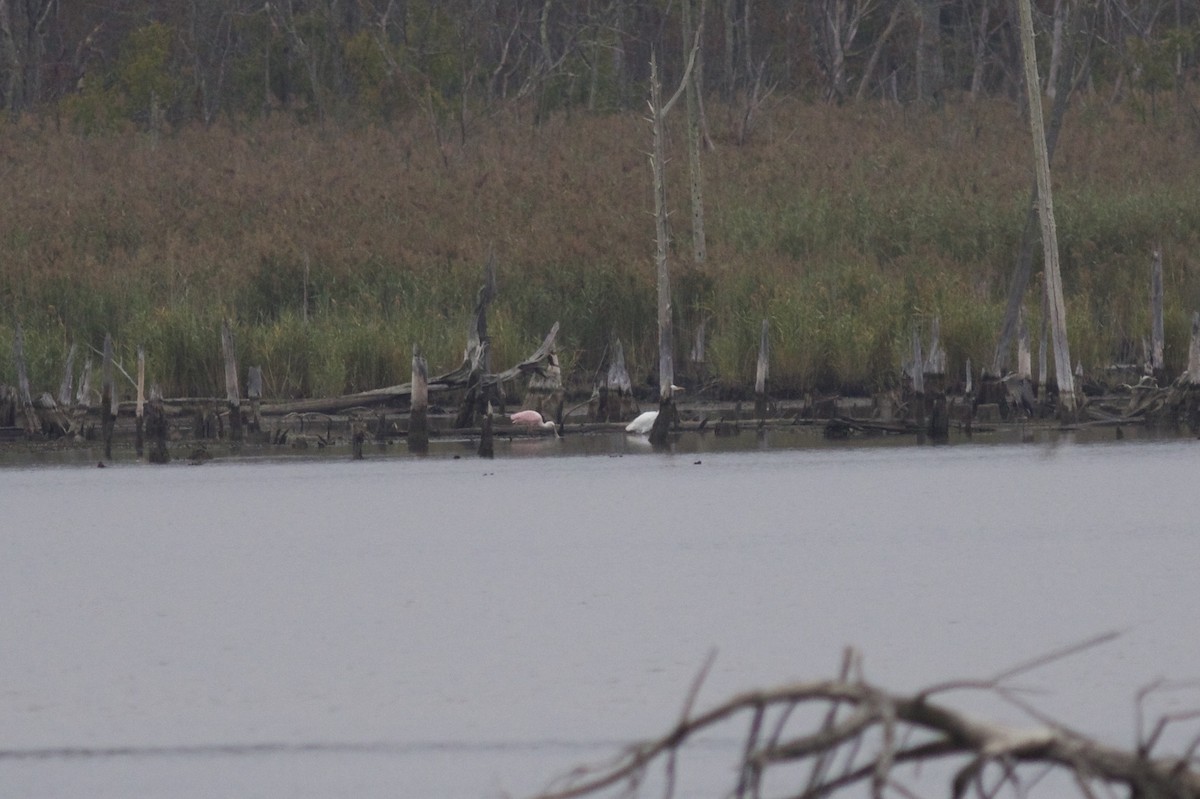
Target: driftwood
[[865, 736]]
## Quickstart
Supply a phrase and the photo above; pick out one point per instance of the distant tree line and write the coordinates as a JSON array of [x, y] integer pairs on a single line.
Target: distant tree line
[[94, 65]]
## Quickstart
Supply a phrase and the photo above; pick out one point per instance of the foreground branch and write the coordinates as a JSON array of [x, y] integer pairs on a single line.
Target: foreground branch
[[871, 731]]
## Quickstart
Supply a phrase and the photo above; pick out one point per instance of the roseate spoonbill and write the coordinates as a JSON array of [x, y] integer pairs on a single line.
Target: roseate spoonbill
[[642, 424], [532, 419]]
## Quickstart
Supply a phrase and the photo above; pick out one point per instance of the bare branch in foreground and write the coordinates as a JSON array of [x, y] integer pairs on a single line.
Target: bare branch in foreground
[[870, 732]]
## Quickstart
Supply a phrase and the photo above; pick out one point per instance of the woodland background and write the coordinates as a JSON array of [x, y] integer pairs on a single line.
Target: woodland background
[[332, 175]]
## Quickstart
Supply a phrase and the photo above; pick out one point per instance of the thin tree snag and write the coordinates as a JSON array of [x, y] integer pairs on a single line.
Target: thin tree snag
[[108, 400], [32, 425], [139, 411], [232, 393], [477, 357], [658, 160], [695, 171], [64, 388], [418, 423], [1193, 372], [762, 370], [157, 427], [254, 392], [1156, 314], [868, 738], [697, 356], [1058, 312], [487, 447], [934, 381]]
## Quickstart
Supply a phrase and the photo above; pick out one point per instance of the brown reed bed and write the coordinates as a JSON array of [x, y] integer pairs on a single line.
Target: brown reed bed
[[336, 248]]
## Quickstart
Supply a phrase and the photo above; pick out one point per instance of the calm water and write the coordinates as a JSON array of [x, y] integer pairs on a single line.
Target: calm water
[[466, 628]]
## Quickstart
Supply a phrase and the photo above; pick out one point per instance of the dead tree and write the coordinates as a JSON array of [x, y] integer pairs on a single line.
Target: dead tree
[[1054, 291], [666, 364], [863, 736]]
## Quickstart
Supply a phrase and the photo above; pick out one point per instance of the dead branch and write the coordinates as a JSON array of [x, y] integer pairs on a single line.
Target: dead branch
[[870, 732]]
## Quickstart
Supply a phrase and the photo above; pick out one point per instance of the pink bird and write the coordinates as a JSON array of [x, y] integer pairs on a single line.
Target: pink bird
[[532, 419]]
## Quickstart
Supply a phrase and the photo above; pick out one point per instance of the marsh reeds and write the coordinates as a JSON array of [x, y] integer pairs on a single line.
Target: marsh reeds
[[332, 250]]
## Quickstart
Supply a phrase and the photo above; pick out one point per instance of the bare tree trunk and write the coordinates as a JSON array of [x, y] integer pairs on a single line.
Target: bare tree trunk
[[1056, 48], [666, 363], [877, 50], [930, 71], [1058, 312], [666, 367], [1024, 267], [695, 171], [979, 54], [1156, 314]]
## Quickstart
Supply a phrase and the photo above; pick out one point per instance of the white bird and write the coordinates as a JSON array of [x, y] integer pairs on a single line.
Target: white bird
[[642, 424]]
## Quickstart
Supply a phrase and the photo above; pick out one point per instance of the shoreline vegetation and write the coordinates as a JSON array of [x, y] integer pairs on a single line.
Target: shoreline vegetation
[[334, 249]]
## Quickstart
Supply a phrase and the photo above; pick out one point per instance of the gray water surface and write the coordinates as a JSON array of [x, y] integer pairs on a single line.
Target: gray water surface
[[467, 628]]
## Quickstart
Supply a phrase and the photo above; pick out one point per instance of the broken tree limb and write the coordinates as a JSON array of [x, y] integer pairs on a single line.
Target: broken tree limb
[[867, 735]]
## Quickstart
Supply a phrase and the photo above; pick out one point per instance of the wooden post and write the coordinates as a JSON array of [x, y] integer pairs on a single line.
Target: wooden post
[[157, 427], [1193, 374], [32, 425], [254, 391], [933, 380], [231, 382], [486, 445], [64, 388], [1058, 312], [1156, 315], [358, 434], [139, 413], [696, 356], [760, 374], [108, 401], [418, 420], [83, 394]]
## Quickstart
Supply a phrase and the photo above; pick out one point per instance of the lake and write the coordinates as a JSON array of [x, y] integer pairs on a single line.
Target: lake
[[454, 627]]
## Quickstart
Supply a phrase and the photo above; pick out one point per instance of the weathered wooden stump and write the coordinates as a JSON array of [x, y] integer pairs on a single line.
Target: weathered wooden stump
[[418, 421], [486, 445], [157, 428]]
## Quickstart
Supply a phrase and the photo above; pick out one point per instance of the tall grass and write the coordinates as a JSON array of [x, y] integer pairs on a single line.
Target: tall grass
[[334, 250]]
